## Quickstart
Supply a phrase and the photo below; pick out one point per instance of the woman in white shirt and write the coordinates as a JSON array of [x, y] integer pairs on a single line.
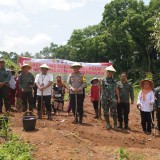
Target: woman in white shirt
[[145, 104]]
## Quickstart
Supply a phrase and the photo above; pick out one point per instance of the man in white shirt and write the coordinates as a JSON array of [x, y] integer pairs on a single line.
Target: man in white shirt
[[44, 82]]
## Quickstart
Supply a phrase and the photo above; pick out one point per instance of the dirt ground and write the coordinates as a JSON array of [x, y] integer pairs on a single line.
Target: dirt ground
[[61, 140]]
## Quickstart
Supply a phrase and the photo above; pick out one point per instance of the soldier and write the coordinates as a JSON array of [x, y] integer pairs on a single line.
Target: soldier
[[157, 104], [44, 82], [109, 93], [126, 91], [25, 84], [77, 83], [5, 77]]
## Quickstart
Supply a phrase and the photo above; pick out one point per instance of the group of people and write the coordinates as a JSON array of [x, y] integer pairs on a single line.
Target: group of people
[[117, 96], [114, 97]]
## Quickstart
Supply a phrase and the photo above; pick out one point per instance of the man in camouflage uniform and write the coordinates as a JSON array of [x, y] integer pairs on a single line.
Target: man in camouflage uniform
[[126, 91], [109, 93], [5, 77]]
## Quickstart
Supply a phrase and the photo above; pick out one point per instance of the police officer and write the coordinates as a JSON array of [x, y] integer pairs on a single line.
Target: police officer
[[126, 92], [5, 77], [77, 83], [109, 94]]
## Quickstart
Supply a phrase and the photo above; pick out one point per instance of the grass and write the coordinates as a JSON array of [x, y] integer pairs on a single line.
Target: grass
[[13, 147]]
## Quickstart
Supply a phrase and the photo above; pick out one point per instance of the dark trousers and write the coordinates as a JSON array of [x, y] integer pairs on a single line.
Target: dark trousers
[[146, 121], [95, 104], [46, 100], [123, 110], [158, 117], [26, 98], [4, 96], [1, 104], [80, 99]]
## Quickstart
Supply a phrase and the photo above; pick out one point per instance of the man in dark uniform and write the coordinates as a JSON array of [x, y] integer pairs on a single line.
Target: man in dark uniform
[[126, 91], [5, 77], [25, 84]]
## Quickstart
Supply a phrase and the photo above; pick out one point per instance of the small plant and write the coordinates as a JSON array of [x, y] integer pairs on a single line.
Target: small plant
[[15, 149], [4, 127], [122, 154]]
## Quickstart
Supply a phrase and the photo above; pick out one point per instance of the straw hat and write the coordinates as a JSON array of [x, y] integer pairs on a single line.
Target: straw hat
[[95, 78], [26, 65], [110, 68], [141, 83], [44, 66], [2, 60], [76, 64]]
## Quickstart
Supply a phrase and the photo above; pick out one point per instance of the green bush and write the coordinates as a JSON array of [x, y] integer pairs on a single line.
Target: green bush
[[15, 149]]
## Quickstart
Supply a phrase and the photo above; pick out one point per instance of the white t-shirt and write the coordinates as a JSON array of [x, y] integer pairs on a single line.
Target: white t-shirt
[[147, 104], [12, 83], [43, 80]]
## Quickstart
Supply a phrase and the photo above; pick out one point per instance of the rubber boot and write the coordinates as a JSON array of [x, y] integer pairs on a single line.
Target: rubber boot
[[96, 112], [80, 119], [120, 126], [115, 122], [49, 115], [39, 115], [75, 120], [24, 109], [108, 126]]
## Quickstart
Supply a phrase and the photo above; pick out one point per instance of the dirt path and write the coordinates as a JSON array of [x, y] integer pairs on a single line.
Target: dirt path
[[62, 140]]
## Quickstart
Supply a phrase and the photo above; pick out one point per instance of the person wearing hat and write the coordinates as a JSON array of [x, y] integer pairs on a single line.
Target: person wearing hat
[[5, 77], [77, 83], [25, 84], [145, 104], [95, 94], [126, 92], [109, 93], [44, 82]]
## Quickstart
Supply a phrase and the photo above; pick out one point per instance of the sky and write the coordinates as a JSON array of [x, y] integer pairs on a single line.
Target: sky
[[31, 25]]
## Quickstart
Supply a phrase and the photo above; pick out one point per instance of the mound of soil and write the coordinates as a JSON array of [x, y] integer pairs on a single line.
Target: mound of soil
[[60, 139]]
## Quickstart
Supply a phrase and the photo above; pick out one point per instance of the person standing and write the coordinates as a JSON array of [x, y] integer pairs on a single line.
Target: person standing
[[126, 92], [5, 77], [77, 83], [145, 104], [25, 84], [109, 94], [44, 82], [95, 95], [58, 94]]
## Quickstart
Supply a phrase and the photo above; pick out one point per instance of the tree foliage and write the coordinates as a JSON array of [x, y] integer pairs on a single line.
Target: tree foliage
[[123, 37]]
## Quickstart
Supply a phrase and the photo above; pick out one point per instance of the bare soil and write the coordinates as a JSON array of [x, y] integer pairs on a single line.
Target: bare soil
[[60, 139]]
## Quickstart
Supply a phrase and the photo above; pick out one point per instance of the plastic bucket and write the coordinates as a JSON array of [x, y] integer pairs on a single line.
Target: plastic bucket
[[29, 123]]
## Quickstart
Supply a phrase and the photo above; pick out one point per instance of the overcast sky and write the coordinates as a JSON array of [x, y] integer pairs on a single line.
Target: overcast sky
[[31, 25]]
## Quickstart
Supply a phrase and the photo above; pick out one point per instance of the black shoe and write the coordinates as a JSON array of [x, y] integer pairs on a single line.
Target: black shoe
[[75, 121], [120, 126], [126, 127], [148, 133]]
